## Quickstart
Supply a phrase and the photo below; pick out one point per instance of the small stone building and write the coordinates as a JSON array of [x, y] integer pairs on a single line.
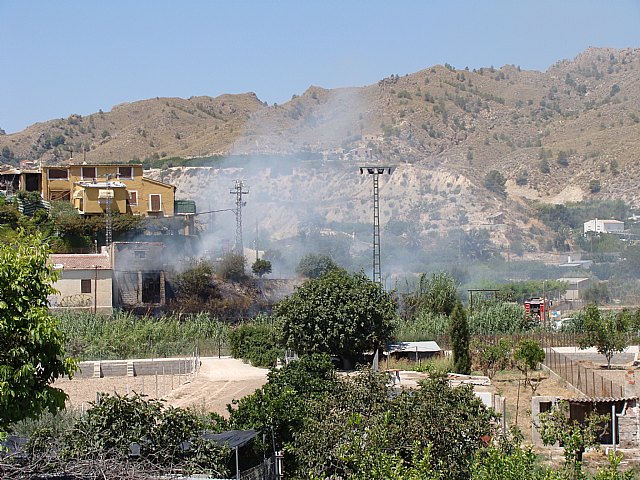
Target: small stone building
[[139, 274]]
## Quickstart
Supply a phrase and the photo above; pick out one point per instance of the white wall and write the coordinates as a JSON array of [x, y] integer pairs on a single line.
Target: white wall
[[70, 295]]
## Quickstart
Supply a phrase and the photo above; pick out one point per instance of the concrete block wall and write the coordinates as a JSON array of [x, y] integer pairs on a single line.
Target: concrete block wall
[[121, 368], [628, 430]]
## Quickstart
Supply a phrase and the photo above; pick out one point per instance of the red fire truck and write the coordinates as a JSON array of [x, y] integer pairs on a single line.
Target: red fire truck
[[536, 308]]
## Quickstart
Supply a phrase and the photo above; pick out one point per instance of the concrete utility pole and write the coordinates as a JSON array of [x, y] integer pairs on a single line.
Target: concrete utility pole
[[238, 192], [375, 172]]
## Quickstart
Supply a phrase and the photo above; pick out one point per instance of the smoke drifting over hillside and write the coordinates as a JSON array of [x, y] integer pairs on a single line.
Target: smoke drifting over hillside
[[301, 203]]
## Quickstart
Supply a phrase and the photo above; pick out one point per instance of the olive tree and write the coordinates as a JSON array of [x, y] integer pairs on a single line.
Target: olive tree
[[339, 314], [32, 353]]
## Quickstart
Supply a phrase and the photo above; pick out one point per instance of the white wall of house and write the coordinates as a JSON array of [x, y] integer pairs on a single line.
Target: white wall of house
[[96, 294], [604, 226], [575, 287]]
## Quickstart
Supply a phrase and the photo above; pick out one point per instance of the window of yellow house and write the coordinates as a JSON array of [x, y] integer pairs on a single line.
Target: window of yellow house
[[58, 174], [125, 172], [155, 202], [85, 285], [89, 173]]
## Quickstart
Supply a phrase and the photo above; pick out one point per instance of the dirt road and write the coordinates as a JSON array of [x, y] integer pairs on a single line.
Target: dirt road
[[219, 381]]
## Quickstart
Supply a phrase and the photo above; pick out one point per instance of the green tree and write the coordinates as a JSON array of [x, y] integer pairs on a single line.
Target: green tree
[[232, 267], [495, 182], [596, 293], [507, 462], [314, 266], [527, 355], [257, 342], [196, 280], [606, 333], [282, 404], [339, 314], [261, 267], [112, 423], [555, 426], [491, 358], [6, 153], [354, 431], [459, 332], [32, 353]]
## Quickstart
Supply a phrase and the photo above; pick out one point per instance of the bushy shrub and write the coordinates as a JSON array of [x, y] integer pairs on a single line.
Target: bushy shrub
[[257, 342]]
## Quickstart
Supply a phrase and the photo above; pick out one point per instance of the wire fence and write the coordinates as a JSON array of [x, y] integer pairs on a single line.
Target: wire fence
[[545, 339], [587, 380]]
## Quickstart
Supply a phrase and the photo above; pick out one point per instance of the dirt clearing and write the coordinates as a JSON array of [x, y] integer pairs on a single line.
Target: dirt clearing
[[217, 383]]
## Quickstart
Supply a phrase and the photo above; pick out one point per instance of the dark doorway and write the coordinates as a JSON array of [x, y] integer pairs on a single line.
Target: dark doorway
[[151, 287]]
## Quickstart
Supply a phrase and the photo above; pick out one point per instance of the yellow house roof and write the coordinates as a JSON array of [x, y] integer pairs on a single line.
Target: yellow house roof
[[157, 182]]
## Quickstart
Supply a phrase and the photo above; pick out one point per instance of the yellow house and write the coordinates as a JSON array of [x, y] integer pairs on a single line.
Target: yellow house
[[91, 188]]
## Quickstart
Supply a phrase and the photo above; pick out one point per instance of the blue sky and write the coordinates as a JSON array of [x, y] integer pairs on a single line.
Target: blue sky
[[78, 56]]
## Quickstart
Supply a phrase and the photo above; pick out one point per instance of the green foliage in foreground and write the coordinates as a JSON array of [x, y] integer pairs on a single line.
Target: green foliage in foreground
[[435, 430], [282, 404], [101, 439], [32, 354], [93, 337], [114, 422]]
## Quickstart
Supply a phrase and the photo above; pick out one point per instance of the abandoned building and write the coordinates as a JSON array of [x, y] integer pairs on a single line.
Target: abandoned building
[[139, 274]]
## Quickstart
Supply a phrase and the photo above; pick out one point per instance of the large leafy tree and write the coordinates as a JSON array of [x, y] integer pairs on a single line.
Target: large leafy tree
[[261, 267], [282, 404], [360, 431], [605, 332], [339, 314], [32, 353]]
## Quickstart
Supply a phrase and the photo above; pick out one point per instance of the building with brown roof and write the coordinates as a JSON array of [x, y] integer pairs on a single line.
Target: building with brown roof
[[85, 282]]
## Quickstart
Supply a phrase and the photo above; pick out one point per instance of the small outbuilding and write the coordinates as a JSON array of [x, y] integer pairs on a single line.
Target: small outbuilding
[[413, 350]]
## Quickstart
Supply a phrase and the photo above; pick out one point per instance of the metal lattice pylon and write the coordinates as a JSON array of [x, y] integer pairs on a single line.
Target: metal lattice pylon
[[238, 192], [375, 172]]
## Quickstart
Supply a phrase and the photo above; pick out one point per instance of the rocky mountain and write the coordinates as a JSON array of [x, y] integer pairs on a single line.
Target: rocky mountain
[[568, 134]]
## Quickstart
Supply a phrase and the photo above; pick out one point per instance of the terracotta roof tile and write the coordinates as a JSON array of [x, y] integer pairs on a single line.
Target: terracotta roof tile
[[74, 261]]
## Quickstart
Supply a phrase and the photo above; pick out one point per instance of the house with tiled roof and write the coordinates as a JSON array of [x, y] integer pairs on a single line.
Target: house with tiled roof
[[85, 282]]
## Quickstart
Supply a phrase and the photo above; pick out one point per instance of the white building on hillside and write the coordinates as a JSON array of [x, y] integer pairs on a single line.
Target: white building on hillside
[[604, 226]]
